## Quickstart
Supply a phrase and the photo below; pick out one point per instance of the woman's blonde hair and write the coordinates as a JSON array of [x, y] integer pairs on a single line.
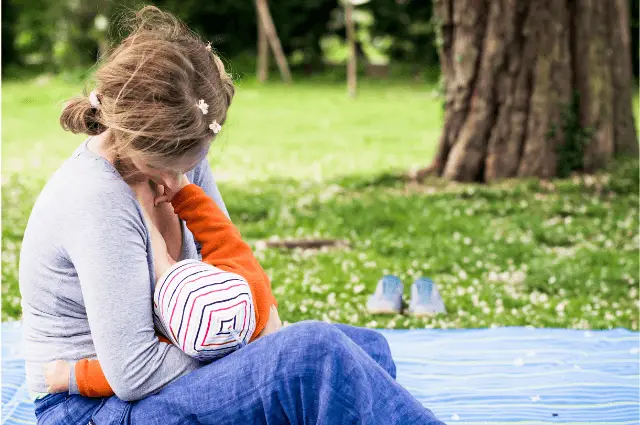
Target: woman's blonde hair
[[149, 87]]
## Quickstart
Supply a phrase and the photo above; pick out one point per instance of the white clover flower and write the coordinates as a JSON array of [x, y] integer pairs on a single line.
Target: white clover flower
[[101, 22]]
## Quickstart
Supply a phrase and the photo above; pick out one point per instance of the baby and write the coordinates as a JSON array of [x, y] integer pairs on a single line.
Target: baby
[[207, 308]]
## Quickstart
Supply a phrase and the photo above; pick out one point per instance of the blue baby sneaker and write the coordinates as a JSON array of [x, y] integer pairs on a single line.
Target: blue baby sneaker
[[425, 298], [388, 296]]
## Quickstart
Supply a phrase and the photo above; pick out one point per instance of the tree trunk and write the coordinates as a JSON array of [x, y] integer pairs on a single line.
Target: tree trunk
[[352, 65], [263, 50], [511, 68], [274, 41]]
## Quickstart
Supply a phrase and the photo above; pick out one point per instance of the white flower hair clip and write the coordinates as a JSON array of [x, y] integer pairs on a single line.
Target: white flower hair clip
[[94, 100], [208, 47], [204, 107], [215, 127]]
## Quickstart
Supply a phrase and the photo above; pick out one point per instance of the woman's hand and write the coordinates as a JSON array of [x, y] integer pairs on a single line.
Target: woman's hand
[[56, 376], [273, 324]]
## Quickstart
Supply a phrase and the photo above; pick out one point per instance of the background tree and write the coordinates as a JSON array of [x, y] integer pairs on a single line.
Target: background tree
[[40, 35], [533, 85], [56, 36]]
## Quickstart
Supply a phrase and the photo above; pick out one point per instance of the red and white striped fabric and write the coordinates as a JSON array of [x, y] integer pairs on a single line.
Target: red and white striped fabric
[[205, 311]]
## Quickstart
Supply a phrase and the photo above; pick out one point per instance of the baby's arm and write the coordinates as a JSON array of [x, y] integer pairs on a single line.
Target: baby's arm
[[223, 247]]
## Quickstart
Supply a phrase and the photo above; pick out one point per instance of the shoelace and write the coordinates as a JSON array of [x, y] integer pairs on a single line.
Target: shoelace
[[425, 290], [390, 285]]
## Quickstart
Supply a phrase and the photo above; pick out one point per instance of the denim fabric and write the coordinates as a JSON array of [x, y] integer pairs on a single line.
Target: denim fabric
[[307, 373]]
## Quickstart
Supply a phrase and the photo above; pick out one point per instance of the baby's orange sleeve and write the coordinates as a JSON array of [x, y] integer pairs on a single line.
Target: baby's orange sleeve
[[223, 246]]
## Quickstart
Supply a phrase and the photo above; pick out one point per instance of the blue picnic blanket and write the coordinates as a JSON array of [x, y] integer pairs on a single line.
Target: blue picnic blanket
[[488, 376]]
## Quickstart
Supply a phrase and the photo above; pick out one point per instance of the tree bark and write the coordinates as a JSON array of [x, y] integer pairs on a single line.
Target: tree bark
[[263, 50], [511, 68], [351, 42], [274, 41], [625, 137]]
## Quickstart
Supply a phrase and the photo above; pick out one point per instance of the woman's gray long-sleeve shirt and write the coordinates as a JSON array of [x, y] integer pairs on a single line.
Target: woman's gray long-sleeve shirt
[[86, 279]]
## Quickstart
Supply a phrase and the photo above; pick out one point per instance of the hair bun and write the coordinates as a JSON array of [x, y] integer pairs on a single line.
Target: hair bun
[[79, 116]]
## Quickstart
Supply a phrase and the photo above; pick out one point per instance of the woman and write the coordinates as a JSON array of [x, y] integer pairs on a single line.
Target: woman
[[86, 267]]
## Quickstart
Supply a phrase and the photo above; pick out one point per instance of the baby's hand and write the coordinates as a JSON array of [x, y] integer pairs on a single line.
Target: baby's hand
[[165, 193], [56, 376]]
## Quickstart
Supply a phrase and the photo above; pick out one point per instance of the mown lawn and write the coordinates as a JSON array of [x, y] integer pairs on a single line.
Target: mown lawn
[[304, 161]]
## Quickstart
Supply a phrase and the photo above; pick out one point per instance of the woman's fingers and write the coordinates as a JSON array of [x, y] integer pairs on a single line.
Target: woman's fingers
[[56, 376]]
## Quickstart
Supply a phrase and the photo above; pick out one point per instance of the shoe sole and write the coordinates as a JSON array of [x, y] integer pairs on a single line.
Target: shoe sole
[[382, 311], [423, 314]]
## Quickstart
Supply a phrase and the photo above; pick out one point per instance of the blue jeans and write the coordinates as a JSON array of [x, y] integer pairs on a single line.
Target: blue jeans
[[307, 373]]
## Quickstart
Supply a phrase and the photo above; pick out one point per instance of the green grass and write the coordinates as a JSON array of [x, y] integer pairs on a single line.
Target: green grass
[[304, 161], [306, 132]]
